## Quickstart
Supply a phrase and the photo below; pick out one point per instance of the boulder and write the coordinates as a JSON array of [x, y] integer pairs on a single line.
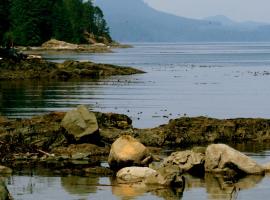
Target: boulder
[[187, 161], [81, 124], [221, 158], [166, 176], [134, 174], [127, 151]]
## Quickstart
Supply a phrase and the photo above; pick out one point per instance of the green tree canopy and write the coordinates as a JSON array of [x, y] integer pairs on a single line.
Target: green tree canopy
[[32, 22]]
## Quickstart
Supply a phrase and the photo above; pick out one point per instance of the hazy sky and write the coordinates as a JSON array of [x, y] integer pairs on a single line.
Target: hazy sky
[[240, 10]]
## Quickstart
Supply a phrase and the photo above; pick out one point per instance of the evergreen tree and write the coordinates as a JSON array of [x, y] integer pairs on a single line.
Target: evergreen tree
[[4, 19], [32, 22]]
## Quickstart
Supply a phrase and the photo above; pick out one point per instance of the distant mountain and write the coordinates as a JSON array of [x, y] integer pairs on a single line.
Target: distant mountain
[[223, 20], [136, 21], [220, 19]]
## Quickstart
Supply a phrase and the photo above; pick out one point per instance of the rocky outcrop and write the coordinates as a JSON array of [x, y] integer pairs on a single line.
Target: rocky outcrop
[[134, 174], [57, 44], [41, 69], [81, 124], [22, 136], [113, 125], [127, 151], [220, 158], [186, 131], [79, 151], [186, 161]]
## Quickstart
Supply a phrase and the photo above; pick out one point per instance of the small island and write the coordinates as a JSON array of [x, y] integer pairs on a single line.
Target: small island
[[23, 67]]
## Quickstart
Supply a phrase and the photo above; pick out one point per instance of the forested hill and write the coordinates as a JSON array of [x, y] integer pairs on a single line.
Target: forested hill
[[32, 22]]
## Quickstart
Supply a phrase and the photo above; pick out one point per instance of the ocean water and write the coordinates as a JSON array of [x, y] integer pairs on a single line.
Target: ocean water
[[221, 80]]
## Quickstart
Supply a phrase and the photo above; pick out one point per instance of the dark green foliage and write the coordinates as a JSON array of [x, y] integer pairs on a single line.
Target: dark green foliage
[[32, 22], [4, 22]]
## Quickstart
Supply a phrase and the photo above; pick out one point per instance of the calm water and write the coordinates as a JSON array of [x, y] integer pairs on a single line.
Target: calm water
[[217, 80], [223, 80]]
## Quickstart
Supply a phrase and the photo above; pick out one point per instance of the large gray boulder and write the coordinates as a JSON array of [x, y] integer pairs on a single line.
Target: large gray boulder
[[134, 174], [80, 123], [220, 158], [187, 161], [126, 151]]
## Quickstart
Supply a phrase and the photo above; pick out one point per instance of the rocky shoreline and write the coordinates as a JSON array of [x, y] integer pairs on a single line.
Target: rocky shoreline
[[77, 141], [56, 46], [39, 69]]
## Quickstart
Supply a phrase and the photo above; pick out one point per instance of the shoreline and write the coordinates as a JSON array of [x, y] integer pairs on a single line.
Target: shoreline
[[43, 143], [40, 69]]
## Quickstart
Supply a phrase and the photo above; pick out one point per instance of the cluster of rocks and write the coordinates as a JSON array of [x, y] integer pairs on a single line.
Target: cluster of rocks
[[76, 142], [132, 160]]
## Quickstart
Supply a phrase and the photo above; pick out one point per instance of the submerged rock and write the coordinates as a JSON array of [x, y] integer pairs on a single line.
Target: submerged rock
[[187, 161], [81, 124], [220, 158], [127, 151]]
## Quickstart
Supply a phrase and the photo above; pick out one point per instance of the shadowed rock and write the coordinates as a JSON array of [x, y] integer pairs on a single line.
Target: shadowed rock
[[186, 161], [81, 124], [220, 158]]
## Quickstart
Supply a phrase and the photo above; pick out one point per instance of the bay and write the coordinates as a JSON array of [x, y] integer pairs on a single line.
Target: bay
[[221, 80]]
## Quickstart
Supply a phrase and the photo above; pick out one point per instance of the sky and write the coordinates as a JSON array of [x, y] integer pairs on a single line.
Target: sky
[[239, 10]]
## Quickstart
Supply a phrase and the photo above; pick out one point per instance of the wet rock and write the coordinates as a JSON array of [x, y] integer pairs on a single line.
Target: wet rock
[[166, 176], [187, 161], [21, 136], [81, 124], [134, 174], [220, 158], [36, 68], [119, 121], [127, 151], [186, 131], [79, 151]]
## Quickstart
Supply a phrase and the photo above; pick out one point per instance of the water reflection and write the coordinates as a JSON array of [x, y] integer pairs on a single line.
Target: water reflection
[[74, 187], [80, 185]]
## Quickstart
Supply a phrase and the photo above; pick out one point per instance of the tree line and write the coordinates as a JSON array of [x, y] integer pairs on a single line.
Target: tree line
[[32, 22]]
